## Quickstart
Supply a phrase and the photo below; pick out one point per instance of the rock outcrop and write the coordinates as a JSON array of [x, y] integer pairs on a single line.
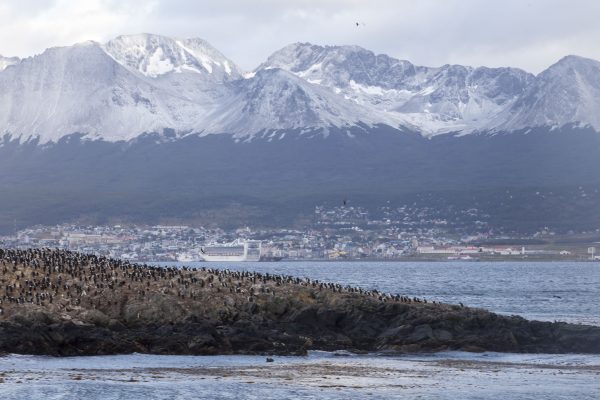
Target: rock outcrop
[[63, 303]]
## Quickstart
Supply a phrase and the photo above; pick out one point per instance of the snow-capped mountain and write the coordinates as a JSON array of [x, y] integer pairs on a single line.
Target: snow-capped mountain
[[147, 83], [451, 97], [81, 89], [154, 55], [567, 92], [275, 100]]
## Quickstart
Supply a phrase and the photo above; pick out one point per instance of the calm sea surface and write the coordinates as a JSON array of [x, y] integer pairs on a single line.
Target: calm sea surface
[[545, 291]]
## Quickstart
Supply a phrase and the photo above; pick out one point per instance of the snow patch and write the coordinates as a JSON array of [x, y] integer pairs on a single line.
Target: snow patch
[[371, 90], [158, 64], [227, 67]]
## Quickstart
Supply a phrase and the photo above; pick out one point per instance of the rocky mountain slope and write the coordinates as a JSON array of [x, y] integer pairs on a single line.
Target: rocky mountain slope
[[567, 92]]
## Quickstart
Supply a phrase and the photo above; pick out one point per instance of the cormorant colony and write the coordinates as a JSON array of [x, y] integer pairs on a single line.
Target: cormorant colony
[[63, 280]]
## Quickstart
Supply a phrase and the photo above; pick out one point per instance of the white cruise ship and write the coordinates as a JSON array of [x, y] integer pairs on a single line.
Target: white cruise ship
[[189, 257], [236, 251]]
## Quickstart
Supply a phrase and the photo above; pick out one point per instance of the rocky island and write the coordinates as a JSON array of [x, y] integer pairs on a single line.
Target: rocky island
[[64, 303]]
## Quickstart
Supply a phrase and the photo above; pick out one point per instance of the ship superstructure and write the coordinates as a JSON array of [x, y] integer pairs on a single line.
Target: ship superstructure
[[236, 251]]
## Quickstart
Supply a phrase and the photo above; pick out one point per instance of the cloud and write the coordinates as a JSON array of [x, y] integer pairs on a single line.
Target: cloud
[[29, 27], [530, 34]]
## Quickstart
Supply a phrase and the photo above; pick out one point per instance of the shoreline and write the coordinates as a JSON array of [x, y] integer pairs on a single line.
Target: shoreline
[[373, 260]]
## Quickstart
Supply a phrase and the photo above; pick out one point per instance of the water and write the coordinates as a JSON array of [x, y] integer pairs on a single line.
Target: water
[[317, 376], [545, 291]]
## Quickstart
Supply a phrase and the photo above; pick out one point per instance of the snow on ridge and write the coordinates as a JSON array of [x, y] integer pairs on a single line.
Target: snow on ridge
[[565, 94], [436, 100], [155, 55], [204, 59], [147, 83], [8, 61]]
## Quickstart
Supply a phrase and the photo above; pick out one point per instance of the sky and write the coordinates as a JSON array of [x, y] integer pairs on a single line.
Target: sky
[[529, 34]]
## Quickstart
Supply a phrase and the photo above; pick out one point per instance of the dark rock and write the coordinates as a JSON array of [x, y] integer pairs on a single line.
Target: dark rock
[[284, 317], [442, 335], [421, 332]]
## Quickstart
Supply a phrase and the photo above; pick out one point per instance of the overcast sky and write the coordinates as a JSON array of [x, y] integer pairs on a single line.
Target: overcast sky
[[530, 34]]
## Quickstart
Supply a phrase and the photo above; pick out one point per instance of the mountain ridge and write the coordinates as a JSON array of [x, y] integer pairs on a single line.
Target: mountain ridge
[[147, 83]]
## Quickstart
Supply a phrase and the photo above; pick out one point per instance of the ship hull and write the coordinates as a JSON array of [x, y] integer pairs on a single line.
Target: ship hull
[[241, 258]]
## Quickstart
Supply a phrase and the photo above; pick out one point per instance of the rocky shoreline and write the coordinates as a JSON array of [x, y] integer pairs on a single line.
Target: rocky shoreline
[[66, 304]]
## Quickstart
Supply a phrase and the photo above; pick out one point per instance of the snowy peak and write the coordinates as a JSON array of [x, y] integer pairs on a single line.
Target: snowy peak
[[81, 89], [572, 62], [154, 55], [568, 92], [339, 65], [7, 61], [436, 100]]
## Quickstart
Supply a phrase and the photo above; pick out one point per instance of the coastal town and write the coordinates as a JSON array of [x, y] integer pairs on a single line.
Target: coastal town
[[336, 233]]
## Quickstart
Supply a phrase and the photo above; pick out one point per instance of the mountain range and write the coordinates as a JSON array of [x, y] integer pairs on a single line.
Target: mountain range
[[87, 130], [145, 83]]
